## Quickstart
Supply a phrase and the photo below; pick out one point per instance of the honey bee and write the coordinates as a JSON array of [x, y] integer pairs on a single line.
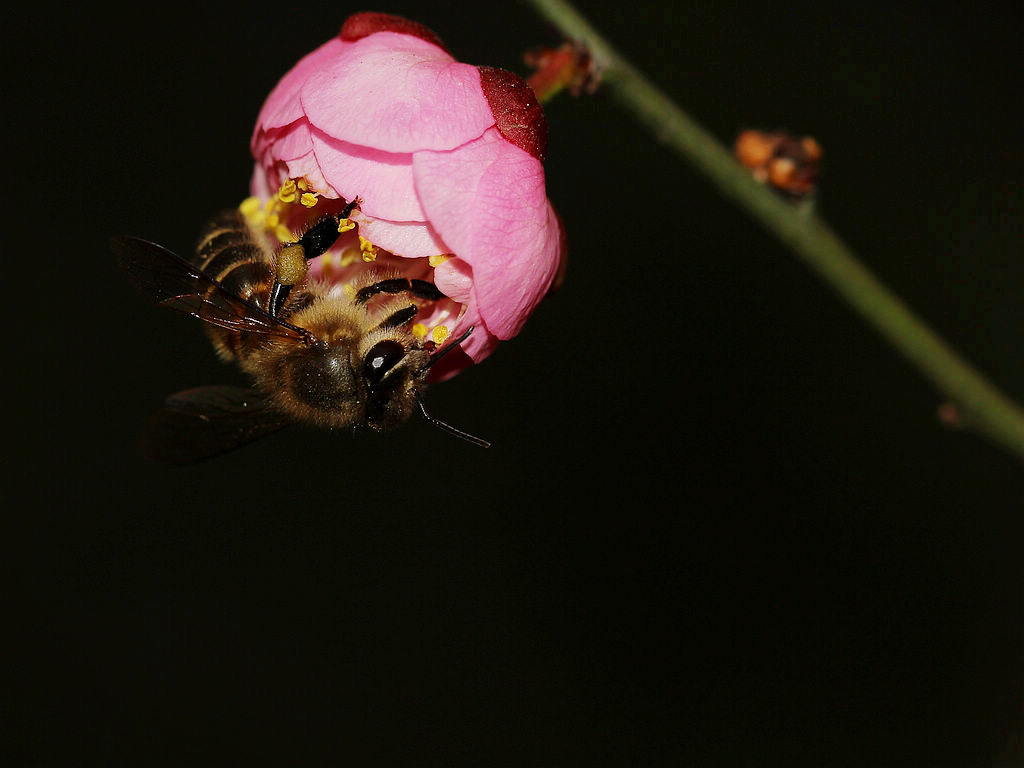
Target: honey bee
[[315, 357]]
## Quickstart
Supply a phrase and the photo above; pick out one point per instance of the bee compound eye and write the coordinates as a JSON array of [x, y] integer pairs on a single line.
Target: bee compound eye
[[382, 357]]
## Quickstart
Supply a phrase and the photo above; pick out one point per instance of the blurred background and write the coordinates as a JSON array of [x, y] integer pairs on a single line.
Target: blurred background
[[720, 523]]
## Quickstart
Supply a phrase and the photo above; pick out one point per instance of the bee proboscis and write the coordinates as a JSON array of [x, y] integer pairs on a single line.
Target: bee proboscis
[[316, 356]]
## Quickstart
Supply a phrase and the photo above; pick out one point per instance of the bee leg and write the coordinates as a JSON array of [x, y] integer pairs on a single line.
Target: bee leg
[[293, 259], [421, 289], [278, 293], [401, 317], [291, 268]]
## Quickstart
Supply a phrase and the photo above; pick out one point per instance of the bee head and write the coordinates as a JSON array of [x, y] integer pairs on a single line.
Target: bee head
[[393, 376], [342, 384]]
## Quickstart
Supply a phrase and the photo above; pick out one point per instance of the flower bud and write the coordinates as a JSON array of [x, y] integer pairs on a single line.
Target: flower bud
[[444, 160]]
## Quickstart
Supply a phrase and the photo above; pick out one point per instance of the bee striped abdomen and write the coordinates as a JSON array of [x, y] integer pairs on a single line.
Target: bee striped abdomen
[[246, 279], [228, 253], [220, 234]]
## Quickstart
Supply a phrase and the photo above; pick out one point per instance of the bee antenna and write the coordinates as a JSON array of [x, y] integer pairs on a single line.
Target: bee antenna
[[446, 349], [477, 441]]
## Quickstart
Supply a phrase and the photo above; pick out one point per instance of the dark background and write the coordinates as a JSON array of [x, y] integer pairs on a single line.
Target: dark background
[[720, 524]]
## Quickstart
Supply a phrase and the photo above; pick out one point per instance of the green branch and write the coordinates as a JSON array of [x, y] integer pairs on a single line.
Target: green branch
[[981, 406]]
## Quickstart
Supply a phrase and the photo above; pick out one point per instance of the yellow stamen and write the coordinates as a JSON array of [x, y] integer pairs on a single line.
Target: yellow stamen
[[348, 256], [308, 199], [327, 264], [419, 331], [368, 249], [249, 207], [273, 220], [252, 209], [303, 184], [437, 261], [439, 334], [344, 225], [282, 233], [287, 192]]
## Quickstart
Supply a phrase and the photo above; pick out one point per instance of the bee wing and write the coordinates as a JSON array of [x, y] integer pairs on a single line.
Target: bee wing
[[198, 424], [174, 282]]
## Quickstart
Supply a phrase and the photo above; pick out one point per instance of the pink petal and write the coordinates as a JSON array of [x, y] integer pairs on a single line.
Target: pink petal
[[258, 186], [454, 278], [286, 143], [397, 93], [307, 167], [481, 342], [563, 253], [411, 239], [487, 201], [282, 105], [382, 180]]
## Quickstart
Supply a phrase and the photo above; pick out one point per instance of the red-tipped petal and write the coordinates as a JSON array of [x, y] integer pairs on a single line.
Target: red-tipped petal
[[360, 25], [517, 113]]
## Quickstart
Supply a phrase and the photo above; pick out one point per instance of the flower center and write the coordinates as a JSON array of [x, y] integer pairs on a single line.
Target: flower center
[[297, 206]]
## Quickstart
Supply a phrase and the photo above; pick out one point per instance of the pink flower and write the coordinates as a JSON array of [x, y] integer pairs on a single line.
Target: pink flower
[[445, 161]]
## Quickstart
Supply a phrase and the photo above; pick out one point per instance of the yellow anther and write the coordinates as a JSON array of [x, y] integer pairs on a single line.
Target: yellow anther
[[439, 334], [282, 233], [344, 225], [326, 264], [249, 207], [303, 184], [308, 199], [437, 261], [287, 192], [348, 256], [273, 220], [419, 331], [252, 209], [368, 249]]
